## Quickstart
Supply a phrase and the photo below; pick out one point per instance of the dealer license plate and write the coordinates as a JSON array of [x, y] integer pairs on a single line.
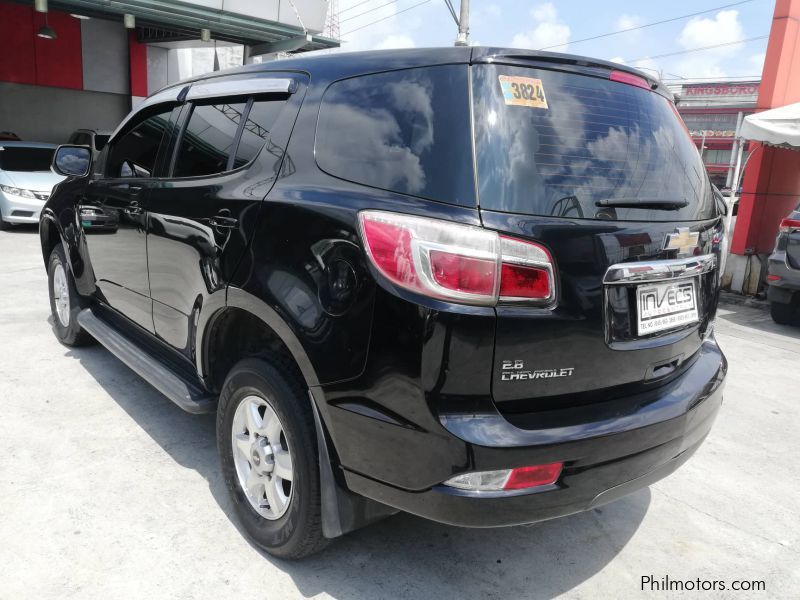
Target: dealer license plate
[[667, 305]]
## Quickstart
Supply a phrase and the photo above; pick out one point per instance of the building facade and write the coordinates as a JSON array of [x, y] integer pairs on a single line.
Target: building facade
[[81, 64], [712, 112]]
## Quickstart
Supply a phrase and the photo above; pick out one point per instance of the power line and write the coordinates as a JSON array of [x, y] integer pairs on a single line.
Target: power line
[[690, 50], [344, 10], [361, 14], [385, 18], [726, 78], [597, 37], [452, 10]]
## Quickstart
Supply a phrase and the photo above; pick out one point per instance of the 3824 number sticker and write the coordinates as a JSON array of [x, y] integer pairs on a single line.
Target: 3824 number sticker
[[523, 91]]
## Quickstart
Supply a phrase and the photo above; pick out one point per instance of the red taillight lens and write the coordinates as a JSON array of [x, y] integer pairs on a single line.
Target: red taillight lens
[[527, 271], [623, 77], [454, 262], [773, 278], [462, 273], [390, 247], [534, 476], [517, 281], [789, 224]]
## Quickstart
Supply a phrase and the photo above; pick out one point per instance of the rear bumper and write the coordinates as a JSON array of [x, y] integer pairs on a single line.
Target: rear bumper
[[781, 290], [604, 460]]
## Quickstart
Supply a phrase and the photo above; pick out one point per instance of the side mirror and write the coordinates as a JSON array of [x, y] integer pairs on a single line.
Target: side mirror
[[72, 161]]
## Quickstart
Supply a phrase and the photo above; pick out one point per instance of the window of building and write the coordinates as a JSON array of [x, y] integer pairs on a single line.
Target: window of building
[[717, 157]]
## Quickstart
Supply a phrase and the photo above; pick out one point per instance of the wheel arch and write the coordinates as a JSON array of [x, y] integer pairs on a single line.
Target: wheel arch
[[49, 235], [268, 328]]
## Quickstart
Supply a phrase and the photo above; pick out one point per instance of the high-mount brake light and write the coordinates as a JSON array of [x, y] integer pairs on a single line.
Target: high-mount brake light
[[630, 79], [457, 263]]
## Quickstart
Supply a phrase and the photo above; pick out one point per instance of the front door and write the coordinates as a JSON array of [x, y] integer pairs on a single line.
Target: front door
[[200, 219], [117, 198]]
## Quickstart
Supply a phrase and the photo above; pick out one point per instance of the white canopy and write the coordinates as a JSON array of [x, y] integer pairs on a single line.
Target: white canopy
[[777, 127]]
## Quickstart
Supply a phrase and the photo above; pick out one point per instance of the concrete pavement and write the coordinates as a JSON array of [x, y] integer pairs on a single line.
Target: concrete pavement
[[107, 490]]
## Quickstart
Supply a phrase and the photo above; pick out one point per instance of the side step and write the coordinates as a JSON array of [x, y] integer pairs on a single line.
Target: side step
[[186, 394]]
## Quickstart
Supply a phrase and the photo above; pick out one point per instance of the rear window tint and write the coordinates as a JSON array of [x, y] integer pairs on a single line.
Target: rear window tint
[[405, 131], [260, 121], [596, 141], [208, 139]]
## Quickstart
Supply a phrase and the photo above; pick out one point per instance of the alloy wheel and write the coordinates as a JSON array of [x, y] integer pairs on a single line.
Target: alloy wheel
[[262, 456], [61, 294]]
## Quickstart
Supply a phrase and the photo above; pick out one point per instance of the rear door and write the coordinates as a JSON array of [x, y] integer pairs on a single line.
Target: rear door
[[227, 154], [604, 174]]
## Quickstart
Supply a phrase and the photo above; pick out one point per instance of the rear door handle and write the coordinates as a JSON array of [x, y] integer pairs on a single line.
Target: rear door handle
[[221, 221]]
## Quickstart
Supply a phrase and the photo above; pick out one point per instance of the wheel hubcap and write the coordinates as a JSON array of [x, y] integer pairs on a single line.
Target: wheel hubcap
[[262, 457], [61, 294]]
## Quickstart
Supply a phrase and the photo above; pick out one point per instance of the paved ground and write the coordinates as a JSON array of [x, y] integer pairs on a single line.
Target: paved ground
[[107, 490]]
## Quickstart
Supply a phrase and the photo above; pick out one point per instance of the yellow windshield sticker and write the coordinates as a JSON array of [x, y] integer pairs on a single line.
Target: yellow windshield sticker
[[523, 91]]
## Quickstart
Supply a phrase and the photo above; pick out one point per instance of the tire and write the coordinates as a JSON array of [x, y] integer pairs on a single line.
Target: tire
[[4, 226], [782, 314], [65, 315], [259, 385]]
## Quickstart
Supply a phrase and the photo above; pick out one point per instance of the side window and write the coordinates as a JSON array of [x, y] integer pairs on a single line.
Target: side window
[[260, 120], [134, 154], [406, 131], [208, 138]]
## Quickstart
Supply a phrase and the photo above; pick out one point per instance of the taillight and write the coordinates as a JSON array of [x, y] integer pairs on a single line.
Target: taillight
[[630, 79], [788, 225], [527, 271], [458, 263], [503, 480]]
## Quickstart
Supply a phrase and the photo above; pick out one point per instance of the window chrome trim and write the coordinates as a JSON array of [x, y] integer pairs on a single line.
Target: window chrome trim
[[662, 270], [241, 87]]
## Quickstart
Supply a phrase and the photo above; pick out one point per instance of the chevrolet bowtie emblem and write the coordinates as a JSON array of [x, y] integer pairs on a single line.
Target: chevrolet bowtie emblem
[[682, 240]]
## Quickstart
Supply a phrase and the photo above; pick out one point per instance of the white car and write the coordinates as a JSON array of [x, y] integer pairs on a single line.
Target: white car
[[26, 180]]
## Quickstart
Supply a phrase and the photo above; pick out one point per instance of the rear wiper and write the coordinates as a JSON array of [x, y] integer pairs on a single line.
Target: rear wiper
[[656, 204]]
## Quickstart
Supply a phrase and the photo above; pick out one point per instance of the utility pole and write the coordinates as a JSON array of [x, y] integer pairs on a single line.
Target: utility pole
[[332, 21], [463, 25]]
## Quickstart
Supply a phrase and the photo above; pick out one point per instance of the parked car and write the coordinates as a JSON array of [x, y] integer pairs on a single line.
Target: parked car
[[9, 135], [783, 272], [26, 181], [95, 139], [474, 284]]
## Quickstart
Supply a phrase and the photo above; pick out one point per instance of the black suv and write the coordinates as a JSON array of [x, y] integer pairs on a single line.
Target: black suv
[[474, 284]]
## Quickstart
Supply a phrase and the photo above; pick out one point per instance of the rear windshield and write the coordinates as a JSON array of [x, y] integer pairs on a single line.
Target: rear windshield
[[559, 144], [25, 159]]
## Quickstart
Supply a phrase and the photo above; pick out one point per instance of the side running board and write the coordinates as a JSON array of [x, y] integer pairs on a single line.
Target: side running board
[[186, 394]]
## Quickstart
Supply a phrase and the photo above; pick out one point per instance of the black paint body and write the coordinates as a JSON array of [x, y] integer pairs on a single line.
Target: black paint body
[[408, 388]]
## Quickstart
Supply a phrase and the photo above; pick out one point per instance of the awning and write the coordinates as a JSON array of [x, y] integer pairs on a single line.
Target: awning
[[776, 127]]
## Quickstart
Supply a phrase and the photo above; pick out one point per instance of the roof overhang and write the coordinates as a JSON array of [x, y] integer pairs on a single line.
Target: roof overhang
[[170, 20]]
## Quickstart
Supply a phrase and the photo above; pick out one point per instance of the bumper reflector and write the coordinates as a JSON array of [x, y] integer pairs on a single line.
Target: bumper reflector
[[507, 479]]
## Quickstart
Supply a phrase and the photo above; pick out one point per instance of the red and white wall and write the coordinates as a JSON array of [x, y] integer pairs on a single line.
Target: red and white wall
[[85, 78]]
